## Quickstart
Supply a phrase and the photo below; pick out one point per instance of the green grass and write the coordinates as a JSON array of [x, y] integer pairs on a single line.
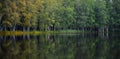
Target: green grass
[[39, 32], [13, 33]]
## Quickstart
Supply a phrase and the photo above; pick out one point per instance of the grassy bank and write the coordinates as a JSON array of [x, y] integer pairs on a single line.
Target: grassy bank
[[39, 32], [13, 33]]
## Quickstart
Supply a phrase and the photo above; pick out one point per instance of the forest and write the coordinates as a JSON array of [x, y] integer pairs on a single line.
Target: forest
[[53, 15]]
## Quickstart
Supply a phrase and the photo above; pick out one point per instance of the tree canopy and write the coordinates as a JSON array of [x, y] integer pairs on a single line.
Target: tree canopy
[[59, 14]]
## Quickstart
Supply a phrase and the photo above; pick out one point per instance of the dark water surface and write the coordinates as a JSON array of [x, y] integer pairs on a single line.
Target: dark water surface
[[60, 46]]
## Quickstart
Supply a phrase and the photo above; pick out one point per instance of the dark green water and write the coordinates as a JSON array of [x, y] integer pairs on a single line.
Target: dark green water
[[62, 46]]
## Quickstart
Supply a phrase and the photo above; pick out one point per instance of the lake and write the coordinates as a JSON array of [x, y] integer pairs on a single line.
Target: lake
[[60, 46]]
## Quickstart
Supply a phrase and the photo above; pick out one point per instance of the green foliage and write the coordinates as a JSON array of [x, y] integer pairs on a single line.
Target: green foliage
[[101, 13], [116, 8], [59, 14]]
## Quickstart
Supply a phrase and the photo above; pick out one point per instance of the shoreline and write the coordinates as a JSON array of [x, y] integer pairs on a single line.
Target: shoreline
[[39, 32]]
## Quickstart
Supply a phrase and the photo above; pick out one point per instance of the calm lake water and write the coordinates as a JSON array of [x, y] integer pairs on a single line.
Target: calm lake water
[[60, 46]]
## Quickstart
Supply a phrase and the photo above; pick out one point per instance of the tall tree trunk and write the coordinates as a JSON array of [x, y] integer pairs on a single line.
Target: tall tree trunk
[[83, 31], [28, 29], [101, 31], [48, 28], [14, 28], [23, 29], [107, 31]]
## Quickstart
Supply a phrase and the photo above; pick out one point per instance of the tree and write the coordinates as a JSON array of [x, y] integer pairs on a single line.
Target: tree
[[116, 18], [84, 14], [68, 14], [101, 16], [8, 14], [46, 15]]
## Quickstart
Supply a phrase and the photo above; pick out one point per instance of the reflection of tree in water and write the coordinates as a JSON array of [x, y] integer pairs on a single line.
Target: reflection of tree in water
[[97, 48], [59, 47], [92, 48], [12, 49], [41, 47]]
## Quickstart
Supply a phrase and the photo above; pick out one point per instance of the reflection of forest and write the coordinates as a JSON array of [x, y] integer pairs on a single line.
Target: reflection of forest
[[59, 47], [12, 48]]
